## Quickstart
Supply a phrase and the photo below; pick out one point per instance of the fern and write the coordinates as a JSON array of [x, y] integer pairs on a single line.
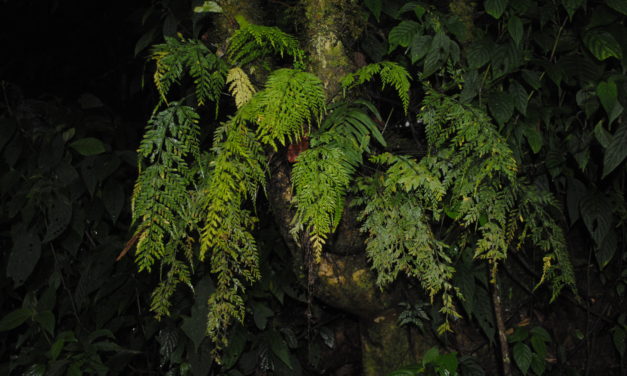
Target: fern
[[322, 174], [391, 74], [176, 56], [240, 86], [290, 100], [236, 174], [253, 42]]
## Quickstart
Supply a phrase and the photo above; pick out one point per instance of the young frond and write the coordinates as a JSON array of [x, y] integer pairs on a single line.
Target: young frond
[[240, 86], [175, 56], [290, 100], [252, 42], [390, 73]]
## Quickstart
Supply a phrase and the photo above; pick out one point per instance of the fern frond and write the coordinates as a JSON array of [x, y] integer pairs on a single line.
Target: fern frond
[[322, 174], [291, 99], [390, 73], [176, 56], [252, 42], [240, 86]]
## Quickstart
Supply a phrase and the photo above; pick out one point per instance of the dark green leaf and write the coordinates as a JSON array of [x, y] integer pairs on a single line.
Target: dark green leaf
[[515, 29], [113, 199], [237, 342], [449, 362], [519, 335], [145, 40], [596, 213], [403, 34], [571, 6], [602, 44], [495, 8], [279, 348], [478, 54], [534, 138], [46, 320], [618, 5], [420, 45], [432, 63], [606, 251], [576, 190], [24, 256], [520, 96], [58, 215], [375, 7], [618, 337], [522, 356], [616, 150], [539, 346], [538, 364], [35, 370], [602, 135], [88, 146], [430, 356], [501, 106], [14, 319], [608, 94], [261, 313], [532, 78]]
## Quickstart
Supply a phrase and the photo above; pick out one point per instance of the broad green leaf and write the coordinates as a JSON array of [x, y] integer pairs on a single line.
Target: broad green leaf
[[208, 6], [375, 7], [575, 191], [279, 348], [261, 313], [602, 135], [403, 34], [606, 251], [196, 325], [519, 96], [145, 40], [495, 8], [237, 342], [608, 94], [24, 256], [596, 213], [478, 54], [618, 5], [46, 320], [571, 6], [430, 356], [588, 101], [532, 78], [515, 29], [541, 333], [538, 364], [88, 146], [538, 345], [419, 47], [602, 44], [616, 150], [618, 337], [449, 362], [534, 138], [432, 63], [14, 319], [58, 215], [113, 199], [519, 335], [522, 356], [501, 106]]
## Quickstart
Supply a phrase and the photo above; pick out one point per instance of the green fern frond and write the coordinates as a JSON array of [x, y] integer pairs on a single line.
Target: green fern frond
[[240, 86], [253, 42], [175, 56], [322, 174], [291, 99], [161, 193], [390, 73]]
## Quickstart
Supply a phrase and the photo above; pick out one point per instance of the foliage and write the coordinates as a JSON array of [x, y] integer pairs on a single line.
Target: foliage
[[530, 349]]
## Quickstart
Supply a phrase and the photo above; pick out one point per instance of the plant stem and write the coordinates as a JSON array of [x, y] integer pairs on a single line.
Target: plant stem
[[506, 361]]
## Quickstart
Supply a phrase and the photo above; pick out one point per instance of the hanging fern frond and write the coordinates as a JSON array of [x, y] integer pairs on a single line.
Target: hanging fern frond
[[175, 56], [161, 195], [390, 73], [240, 86], [237, 172], [291, 100], [253, 42], [322, 174]]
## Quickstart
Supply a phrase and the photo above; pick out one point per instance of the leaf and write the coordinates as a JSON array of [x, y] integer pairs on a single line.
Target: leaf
[[261, 313], [14, 319], [616, 150], [46, 320], [419, 47], [279, 348], [449, 362], [576, 190], [618, 5], [532, 78], [522, 356], [24, 255], [478, 54], [608, 94], [88, 146], [571, 6], [515, 29], [519, 96], [237, 342], [501, 106], [618, 337], [145, 40], [58, 217], [602, 135], [602, 44], [403, 34], [534, 138], [375, 7], [538, 364], [208, 6], [196, 325], [495, 8], [432, 63], [606, 251], [539, 346], [113, 199], [596, 213]]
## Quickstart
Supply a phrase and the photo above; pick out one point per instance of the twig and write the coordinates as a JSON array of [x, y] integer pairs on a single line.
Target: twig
[[506, 361]]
